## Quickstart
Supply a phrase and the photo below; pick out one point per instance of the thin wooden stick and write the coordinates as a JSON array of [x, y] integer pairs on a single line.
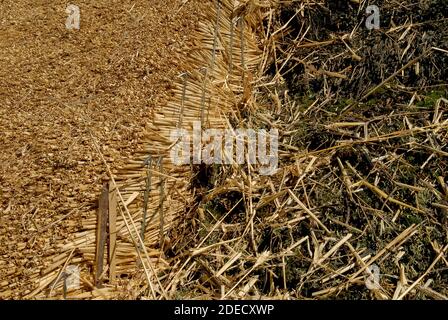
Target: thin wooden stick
[[102, 217], [112, 232], [148, 278]]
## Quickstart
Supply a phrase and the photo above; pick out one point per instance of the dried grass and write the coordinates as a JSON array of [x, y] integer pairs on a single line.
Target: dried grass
[[349, 193]]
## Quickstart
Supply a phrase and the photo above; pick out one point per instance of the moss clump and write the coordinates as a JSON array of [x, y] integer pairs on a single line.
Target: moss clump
[[430, 99]]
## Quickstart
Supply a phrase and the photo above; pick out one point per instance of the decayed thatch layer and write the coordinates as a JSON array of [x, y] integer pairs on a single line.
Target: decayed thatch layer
[[358, 207]]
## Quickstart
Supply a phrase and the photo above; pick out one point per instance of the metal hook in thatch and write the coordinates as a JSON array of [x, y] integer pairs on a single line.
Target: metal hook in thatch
[[215, 36], [184, 76], [233, 22], [155, 164], [148, 164], [158, 166], [203, 70], [243, 61], [162, 196], [64, 285]]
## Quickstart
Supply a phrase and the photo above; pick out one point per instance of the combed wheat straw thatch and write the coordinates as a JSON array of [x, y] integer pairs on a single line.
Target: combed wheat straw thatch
[[150, 188]]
